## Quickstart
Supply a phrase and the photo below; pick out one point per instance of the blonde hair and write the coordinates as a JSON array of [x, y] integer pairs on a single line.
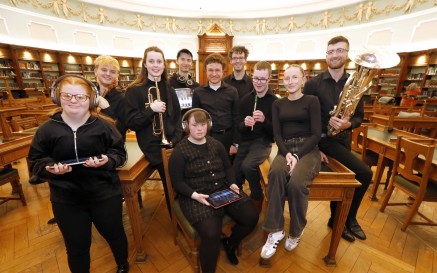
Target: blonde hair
[[412, 86], [107, 60]]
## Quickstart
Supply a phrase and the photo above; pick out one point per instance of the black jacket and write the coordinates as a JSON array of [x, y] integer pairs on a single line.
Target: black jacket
[[140, 117], [115, 98], [55, 141]]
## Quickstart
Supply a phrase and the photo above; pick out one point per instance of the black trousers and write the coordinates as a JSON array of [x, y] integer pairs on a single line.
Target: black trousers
[[210, 230], [75, 221], [339, 148]]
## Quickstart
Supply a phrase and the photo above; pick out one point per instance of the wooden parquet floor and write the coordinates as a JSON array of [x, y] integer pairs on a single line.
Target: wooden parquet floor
[[29, 244]]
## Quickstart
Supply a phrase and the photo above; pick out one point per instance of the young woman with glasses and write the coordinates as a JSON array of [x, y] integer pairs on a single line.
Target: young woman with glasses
[[87, 193]]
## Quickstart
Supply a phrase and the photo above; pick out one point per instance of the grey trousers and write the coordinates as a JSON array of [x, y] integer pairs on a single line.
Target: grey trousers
[[295, 188]]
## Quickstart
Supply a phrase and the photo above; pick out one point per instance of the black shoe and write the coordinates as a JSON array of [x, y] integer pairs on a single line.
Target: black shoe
[[123, 268], [35, 180], [230, 251], [356, 229], [345, 234]]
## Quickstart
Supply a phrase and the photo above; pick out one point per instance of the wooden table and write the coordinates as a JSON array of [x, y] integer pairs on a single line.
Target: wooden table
[[15, 149], [408, 124], [383, 141], [6, 113], [337, 185], [132, 176]]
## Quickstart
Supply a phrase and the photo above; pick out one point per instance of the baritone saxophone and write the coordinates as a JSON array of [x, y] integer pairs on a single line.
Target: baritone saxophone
[[369, 60]]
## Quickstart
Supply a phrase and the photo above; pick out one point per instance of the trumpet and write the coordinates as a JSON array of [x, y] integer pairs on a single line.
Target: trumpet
[[157, 129], [369, 60]]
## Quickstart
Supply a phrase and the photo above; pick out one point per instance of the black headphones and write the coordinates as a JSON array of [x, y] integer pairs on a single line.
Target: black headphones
[[187, 115], [94, 98], [188, 81]]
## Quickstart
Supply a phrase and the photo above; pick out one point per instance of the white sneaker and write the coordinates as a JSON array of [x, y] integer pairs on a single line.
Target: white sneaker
[[291, 243], [269, 248]]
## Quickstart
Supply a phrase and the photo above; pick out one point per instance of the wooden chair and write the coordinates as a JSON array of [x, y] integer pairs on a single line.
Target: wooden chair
[[180, 224], [10, 175], [358, 148], [413, 179]]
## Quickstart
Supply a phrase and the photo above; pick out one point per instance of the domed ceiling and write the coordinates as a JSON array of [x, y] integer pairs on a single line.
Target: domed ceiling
[[225, 8]]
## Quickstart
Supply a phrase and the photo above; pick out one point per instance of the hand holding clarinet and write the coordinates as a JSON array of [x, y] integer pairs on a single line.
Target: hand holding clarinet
[[257, 116]]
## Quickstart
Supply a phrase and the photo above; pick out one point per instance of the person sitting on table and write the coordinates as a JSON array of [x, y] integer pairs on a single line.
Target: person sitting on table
[[199, 166], [144, 111], [327, 86], [297, 127], [88, 193]]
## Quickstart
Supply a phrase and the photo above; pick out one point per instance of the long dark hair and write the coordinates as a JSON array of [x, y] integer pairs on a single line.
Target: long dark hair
[[142, 78]]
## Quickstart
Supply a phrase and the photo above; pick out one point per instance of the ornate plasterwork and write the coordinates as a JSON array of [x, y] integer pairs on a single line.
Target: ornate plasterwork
[[336, 18]]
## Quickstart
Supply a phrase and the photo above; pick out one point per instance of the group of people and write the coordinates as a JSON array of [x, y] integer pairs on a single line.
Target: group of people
[[218, 144]]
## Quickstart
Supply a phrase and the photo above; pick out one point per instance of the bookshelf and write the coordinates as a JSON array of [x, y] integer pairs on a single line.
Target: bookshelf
[[7, 70], [50, 68], [87, 62], [127, 71], [30, 73]]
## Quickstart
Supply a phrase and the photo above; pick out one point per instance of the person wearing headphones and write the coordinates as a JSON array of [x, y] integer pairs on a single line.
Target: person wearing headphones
[[199, 166], [86, 190], [150, 100]]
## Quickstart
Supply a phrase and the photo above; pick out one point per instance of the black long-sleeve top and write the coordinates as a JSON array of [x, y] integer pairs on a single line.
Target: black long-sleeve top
[[140, 117], [243, 86], [264, 104], [223, 106], [297, 118], [55, 141], [328, 91], [116, 109]]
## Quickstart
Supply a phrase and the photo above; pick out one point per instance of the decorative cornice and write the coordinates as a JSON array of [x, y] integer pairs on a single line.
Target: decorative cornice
[[362, 13]]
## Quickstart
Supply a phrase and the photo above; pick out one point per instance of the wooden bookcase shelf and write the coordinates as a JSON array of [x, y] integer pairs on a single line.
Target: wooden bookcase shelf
[[33, 70]]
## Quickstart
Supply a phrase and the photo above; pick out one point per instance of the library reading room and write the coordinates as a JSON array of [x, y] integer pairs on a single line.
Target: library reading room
[[198, 105]]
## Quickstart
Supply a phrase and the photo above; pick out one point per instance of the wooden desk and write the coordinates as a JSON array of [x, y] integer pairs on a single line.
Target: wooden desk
[[15, 149], [408, 124], [6, 113], [338, 186], [383, 142], [132, 176]]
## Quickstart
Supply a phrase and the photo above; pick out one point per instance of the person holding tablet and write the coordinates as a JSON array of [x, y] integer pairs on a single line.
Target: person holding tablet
[[88, 193], [199, 166]]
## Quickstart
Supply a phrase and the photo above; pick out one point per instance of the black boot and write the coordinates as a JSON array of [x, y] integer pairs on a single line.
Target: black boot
[[123, 268], [230, 251]]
